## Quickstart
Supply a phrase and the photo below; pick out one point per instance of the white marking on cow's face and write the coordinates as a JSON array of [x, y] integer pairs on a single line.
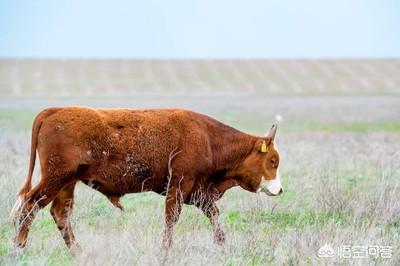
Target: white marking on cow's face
[[271, 187]]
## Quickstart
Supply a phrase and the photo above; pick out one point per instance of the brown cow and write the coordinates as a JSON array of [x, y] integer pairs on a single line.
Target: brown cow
[[189, 157]]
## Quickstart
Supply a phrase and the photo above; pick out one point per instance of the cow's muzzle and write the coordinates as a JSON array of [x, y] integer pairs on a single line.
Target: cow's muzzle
[[271, 187]]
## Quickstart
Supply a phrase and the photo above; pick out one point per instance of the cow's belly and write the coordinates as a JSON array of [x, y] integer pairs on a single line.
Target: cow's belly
[[122, 176]]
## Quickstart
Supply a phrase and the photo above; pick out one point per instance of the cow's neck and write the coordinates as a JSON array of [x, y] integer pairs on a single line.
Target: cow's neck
[[229, 148]]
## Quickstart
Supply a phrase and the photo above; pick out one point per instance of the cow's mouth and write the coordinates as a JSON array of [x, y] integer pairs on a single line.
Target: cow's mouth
[[272, 194], [271, 187]]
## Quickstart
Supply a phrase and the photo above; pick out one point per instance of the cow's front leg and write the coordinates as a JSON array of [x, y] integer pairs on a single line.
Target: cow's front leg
[[212, 212], [175, 198]]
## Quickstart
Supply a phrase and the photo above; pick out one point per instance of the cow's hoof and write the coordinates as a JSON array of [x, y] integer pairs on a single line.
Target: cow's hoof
[[219, 237], [75, 249], [19, 242], [166, 243]]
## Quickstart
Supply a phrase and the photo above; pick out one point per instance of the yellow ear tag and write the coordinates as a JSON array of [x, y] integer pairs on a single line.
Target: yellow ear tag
[[263, 147]]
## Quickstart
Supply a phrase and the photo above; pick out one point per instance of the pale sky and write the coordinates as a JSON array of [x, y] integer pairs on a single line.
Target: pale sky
[[200, 29]]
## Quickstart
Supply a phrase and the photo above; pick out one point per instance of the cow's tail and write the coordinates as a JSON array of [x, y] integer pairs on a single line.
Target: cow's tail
[[26, 187]]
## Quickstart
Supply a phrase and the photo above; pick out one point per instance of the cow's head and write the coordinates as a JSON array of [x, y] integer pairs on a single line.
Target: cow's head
[[259, 170]]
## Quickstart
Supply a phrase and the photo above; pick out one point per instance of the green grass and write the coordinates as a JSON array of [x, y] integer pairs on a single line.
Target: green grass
[[312, 126], [59, 256], [282, 220], [17, 120], [356, 127]]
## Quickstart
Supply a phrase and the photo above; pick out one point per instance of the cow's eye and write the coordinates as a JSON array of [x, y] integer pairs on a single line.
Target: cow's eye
[[273, 161]]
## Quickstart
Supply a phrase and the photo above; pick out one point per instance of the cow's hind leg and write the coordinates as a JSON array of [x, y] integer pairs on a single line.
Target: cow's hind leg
[[61, 209], [36, 199]]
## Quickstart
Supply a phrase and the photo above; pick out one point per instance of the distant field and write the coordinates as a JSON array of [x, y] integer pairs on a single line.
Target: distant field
[[340, 166], [198, 77]]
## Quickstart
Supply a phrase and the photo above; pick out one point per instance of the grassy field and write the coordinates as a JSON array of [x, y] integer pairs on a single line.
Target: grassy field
[[340, 168]]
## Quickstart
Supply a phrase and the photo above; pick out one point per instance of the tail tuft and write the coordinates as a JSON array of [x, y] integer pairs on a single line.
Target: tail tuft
[[17, 208]]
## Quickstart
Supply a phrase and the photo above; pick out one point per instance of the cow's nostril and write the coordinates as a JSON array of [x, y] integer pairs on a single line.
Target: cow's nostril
[[280, 191]]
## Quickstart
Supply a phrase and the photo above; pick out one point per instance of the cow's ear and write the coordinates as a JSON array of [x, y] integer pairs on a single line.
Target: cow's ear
[[262, 144], [271, 132]]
